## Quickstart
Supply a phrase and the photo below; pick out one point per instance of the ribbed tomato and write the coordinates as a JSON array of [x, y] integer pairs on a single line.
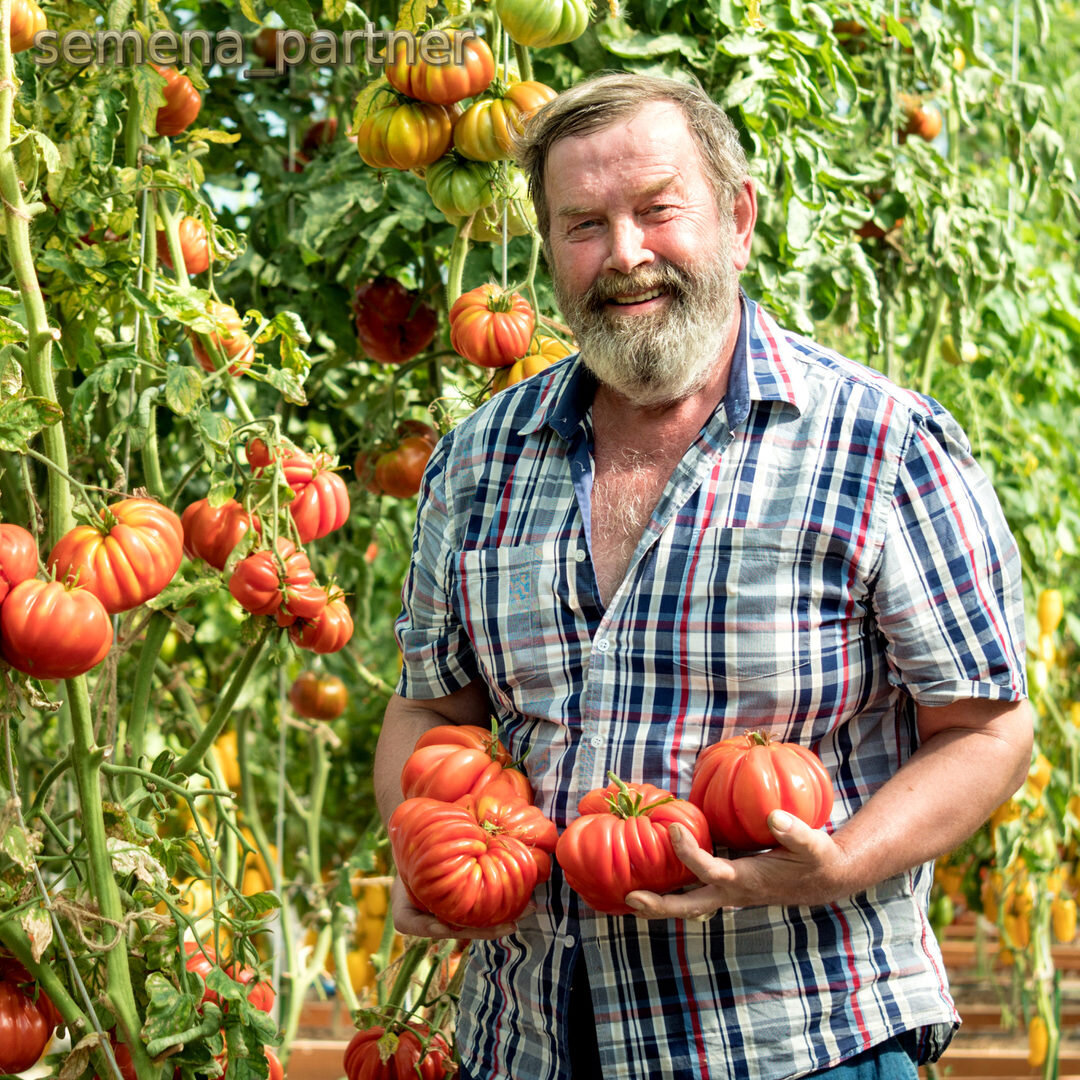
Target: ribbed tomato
[[407, 136], [318, 697], [261, 995], [513, 199], [442, 84], [322, 504], [491, 326], [475, 863], [18, 557], [27, 1018], [543, 23], [543, 352], [393, 324], [459, 188], [26, 20], [182, 102], [194, 245], [233, 341], [128, 560], [468, 735], [739, 781], [261, 589], [447, 771], [405, 1057], [487, 129], [399, 471], [211, 532], [327, 632]]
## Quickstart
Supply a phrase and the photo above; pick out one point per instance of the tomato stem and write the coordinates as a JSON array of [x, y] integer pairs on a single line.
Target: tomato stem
[[524, 62]]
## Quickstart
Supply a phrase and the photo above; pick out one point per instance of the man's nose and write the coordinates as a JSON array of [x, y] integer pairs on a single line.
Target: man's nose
[[628, 249]]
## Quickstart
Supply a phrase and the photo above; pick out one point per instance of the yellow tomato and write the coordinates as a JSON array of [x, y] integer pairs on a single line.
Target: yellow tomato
[[376, 900], [225, 749], [1063, 915], [1039, 774], [254, 882], [1051, 610], [1018, 930], [1074, 713], [1046, 650], [1038, 1040], [256, 860], [361, 973], [369, 932]]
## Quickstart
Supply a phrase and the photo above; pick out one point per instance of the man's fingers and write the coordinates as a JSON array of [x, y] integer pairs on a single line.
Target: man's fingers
[[706, 867], [698, 905]]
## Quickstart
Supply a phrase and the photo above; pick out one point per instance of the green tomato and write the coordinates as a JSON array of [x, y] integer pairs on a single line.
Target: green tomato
[[520, 216], [541, 23], [460, 188]]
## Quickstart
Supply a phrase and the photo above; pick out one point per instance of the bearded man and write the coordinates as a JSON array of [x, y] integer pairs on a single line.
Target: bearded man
[[701, 524]]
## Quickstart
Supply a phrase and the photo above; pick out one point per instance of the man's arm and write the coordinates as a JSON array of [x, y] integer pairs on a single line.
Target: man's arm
[[972, 756]]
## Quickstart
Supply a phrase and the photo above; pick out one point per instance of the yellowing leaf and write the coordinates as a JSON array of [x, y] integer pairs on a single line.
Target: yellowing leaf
[[368, 101], [413, 14]]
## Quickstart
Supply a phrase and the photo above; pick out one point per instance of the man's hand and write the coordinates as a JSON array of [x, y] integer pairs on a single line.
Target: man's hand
[[411, 920], [808, 868]]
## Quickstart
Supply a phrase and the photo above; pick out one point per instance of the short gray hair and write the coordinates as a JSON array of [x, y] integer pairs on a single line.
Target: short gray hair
[[608, 97]]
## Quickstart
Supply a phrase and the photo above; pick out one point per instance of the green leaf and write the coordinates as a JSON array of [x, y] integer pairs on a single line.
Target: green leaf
[[183, 388], [48, 151], [619, 39], [412, 14], [332, 10], [181, 592], [9, 297], [11, 332], [215, 430], [295, 14], [15, 841], [168, 1010], [213, 135], [21, 418]]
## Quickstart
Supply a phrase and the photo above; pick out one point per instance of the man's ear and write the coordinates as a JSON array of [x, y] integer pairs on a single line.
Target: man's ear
[[744, 211]]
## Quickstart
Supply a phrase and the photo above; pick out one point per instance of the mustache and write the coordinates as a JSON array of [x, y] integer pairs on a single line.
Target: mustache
[[664, 276]]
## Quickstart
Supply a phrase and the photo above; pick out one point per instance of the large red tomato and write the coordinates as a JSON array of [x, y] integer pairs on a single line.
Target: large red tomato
[[322, 504], [277, 1070], [318, 697], [375, 1054], [182, 102], [211, 532], [469, 735], [27, 1018], [127, 561], [739, 781], [261, 995], [475, 863], [327, 632], [26, 20], [442, 84], [620, 843], [393, 324], [18, 557], [234, 342], [194, 246], [260, 588], [399, 471], [490, 326], [449, 770]]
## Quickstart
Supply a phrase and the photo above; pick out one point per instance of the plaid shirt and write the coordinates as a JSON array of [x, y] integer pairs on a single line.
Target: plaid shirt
[[826, 554]]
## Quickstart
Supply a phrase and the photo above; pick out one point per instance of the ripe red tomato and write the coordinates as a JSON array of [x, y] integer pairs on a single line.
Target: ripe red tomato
[[922, 120], [468, 735], [329, 631], [318, 697], [123, 1059], [487, 129], [211, 532], [399, 472], [261, 995], [257, 453], [233, 342], [449, 770], [407, 1060], [321, 134], [321, 504], [127, 561], [407, 136], [260, 589], [620, 843], [26, 20], [27, 1018], [491, 327], [182, 102], [442, 84], [739, 781], [392, 324], [277, 1070], [18, 557], [194, 245], [472, 864]]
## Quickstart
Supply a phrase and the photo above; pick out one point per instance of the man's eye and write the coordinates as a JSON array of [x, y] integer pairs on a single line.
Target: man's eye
[[659, 208], [585, 225]]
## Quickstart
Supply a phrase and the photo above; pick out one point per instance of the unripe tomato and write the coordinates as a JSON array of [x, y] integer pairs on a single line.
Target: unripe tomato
[[458, 187], [321, 134], [487, 129], [194, 245], [211, 532], [399, 471], [442, 84], [1051, 610], [543, 352], [318, 697], [329, 631], [542, 23], [27, 1018], [321, 505], [490, 326], [739, 781], [53, 631], [182, 102], [233, 342], [27, 19], [487, 225], [921, 120], [392, 324], [407, 136], [18, 557]]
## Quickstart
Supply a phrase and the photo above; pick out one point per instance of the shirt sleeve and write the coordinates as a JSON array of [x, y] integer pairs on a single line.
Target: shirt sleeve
[[947, 591], [437, 656]]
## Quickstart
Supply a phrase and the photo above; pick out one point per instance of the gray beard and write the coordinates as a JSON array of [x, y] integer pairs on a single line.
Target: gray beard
[[665, 357]]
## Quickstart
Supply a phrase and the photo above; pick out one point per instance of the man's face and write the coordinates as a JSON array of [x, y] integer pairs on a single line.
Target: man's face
[[643, 262]]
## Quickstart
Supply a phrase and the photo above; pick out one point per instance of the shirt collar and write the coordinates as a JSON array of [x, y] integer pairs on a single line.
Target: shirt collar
[[763, 369]]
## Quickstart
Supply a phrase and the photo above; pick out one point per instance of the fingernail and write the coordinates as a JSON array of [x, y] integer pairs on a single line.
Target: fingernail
[[780, 819]]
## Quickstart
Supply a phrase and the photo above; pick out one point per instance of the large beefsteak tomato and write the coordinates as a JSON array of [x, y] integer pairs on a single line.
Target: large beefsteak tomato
[[540, 24], [442, 84], [318, 697], [393, 324], [449, 770], [26, 20], [327, 632], [194, 246], [739, 781], [18, 557], [399, 471], [491, 326], [620, 843], [406, 136], [27, 1018], [486, 131], [128, 560], [182, 102], [321, 504], [409, 1053], [261, 588]]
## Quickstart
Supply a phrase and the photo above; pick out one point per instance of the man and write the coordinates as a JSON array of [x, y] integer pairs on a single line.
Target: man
[[702, 525]]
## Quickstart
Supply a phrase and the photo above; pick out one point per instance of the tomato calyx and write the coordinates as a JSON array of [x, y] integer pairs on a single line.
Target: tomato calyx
[[759, 738], [625, 803]]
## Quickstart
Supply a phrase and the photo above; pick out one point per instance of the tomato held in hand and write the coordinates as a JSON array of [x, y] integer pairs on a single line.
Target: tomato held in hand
[[620, 843], [322, 504], [376, 1054], [327, 632], [126, 561], [318, 697], [26, 20], [194, 246], [182, 102], [398, 472], [447, 771], [543, 23], [406, 136], [233, 342], [475, 864], [442, 84], [739, 781], [211, 532], [392, 324], [18, 557], [27, 1018], [469, 735], [490, 326]]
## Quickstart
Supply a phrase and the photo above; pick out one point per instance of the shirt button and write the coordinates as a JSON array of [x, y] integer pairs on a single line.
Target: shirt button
[[597, 740], [579, 555], [568, 941], [603, 644]]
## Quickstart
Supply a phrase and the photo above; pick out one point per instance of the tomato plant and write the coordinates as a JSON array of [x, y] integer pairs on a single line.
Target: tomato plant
[[619, 843], [490, 326], [18, 557], [182, 102], [393, 324], [443, 84], [27, 1018], [194, 245], [318, 697], [211, 532], [232, 341], [739, 781]]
